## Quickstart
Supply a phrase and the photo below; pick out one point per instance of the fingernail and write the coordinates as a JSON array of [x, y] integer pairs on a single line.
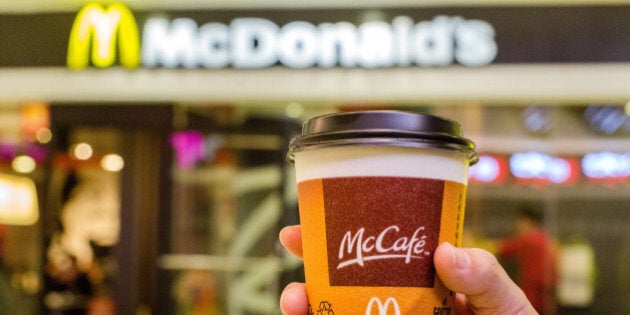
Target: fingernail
[[282, 298], [283, 295], [280, 234]]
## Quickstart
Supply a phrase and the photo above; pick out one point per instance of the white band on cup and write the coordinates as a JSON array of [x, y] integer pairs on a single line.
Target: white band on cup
[[353, 161]]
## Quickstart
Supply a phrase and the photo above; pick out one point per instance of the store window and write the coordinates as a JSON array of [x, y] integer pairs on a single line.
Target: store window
[[232, 191], [84, 223], [101, 220]]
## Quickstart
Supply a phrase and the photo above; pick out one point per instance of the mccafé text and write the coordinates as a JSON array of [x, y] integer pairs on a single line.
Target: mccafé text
[[385, 245]]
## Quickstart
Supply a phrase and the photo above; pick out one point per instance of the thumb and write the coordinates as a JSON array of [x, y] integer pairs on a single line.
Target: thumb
[[477, 274]]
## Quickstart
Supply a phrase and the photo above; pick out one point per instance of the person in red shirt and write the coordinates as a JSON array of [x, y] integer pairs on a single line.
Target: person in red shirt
[[534, 253]]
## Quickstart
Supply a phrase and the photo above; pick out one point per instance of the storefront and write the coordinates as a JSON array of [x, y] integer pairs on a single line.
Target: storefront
[[200, 102]]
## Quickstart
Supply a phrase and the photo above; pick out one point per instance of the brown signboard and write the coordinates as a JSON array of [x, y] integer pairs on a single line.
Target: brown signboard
[[519, 34]]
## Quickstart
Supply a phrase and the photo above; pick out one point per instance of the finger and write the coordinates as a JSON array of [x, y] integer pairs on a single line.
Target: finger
[[461, 305], [291, 239], [477, 274], [293, 299]]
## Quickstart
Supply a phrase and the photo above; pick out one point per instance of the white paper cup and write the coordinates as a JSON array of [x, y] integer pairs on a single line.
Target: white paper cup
[[378, 191]]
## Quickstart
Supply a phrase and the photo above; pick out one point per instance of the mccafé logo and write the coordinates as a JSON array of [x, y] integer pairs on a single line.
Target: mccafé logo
[[259, 43], [367, 242], [382, 308], [381, 246]]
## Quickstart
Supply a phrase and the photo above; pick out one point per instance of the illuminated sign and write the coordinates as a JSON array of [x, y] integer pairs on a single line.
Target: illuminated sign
[[540, 168], [190, 147], [543, 167], [18, 200], [489, 169], [101, 31], [258, 43], [606, 165]]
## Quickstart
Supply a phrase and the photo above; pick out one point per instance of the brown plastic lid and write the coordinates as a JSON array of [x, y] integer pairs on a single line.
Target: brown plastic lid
[[382, 128]]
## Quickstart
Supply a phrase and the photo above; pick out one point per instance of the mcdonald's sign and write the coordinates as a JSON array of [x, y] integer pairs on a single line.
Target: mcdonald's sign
[[102, 29]]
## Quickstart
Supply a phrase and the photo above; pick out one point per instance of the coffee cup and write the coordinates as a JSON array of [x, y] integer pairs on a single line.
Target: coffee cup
[[377, 192]]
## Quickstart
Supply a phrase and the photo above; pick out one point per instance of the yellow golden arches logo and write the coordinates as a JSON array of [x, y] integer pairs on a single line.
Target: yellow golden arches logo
[[101, 30], [382, 308]]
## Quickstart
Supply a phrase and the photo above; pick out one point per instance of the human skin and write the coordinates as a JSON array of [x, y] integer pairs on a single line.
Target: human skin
[[482, 285]]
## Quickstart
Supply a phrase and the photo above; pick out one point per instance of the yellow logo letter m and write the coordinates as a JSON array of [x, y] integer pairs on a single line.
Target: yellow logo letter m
[[101, 30]]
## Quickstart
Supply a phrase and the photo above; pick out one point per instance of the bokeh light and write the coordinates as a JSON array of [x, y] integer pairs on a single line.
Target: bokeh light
[[112, 163], [82, 151], [23, 164], [43, 135]]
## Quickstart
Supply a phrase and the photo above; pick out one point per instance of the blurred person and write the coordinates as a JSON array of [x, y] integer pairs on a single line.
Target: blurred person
[[89, 226], [482, 286], [90, 214], [535, 255]]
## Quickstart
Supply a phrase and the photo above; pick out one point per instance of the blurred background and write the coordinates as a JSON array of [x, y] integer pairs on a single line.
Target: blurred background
[[142, 143]]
